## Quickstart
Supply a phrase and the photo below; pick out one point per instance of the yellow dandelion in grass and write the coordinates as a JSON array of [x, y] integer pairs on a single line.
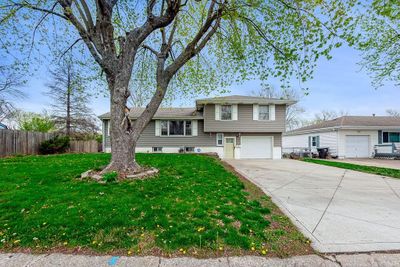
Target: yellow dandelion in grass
[[44, 223], [201, 229], [16, 241], [184, 252], [129, 252], [94, 242], [65, 243], [221, 248], [253, 248], [181, 249], [142, 235], [264, 251]]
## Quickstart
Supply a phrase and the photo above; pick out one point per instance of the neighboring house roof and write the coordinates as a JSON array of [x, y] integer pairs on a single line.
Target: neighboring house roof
[[163, 113], [3, 126], [240, 99], [352, 122]]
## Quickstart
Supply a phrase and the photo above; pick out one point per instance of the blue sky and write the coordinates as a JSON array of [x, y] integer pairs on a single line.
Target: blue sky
[[339, 84]]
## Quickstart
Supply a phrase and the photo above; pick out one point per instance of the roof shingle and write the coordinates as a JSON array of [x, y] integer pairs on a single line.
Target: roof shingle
[[161, 113], [355, 121]]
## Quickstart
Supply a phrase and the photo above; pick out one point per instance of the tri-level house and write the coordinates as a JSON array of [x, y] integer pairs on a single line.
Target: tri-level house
[[240, 127]]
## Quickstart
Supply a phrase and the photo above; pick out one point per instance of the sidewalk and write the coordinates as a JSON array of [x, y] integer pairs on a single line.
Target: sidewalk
[[47, 260]]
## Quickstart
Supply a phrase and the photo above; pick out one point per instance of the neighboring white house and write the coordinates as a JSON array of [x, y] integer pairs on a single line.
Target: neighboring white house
[[348, 136]]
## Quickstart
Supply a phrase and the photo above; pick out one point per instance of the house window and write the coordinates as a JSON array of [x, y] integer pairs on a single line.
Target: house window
[[220, 139], [263, 112], [315, 141], [226, 112], [391, 137], [157, 149], [176, 128], [164, 128], [188, 127], [189, 149]]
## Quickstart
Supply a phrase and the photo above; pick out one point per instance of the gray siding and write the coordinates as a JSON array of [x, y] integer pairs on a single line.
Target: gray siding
[[148, 138], [245, 122]]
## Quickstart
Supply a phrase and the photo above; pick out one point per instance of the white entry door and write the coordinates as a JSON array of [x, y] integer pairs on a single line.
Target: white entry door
[[357, 146], [256, 147]]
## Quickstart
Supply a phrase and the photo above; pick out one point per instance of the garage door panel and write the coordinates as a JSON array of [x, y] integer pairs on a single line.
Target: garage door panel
[[256, 147], [357, 146]]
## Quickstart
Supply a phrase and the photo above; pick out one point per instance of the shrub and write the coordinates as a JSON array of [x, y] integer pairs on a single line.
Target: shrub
[[54, 145], [110, 177]]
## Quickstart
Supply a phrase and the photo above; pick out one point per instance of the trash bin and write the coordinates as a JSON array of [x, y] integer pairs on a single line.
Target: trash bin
[[322, 152]]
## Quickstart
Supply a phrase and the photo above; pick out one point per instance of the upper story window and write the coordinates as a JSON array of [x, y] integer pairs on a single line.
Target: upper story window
[[226, 112], [263, 112], [176, 128], [391, 137]]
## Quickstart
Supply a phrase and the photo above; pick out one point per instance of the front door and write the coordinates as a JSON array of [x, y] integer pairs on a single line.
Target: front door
[[229, 148]]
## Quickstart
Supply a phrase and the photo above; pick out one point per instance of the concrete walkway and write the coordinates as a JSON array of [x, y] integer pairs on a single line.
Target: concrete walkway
[[339, 210], [50, 260]]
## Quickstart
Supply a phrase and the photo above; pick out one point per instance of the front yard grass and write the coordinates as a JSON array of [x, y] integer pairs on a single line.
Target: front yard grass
[[355, 167], [195, 206]]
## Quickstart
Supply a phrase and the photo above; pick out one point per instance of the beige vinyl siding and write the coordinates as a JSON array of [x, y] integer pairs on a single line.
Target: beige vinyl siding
[[245, 122], [148, 138]]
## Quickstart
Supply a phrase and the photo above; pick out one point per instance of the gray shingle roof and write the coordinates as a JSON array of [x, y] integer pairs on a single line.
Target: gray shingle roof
[[241, 99], [164, 113], [352, 121]]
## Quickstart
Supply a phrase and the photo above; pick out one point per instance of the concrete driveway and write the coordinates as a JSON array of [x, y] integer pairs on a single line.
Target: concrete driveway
[[339, 210]]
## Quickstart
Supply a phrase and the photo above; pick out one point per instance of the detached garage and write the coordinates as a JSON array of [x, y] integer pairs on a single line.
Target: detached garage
[[256, 147]]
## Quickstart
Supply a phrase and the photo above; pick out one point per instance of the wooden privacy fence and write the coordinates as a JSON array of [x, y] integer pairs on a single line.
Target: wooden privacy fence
[[14, 142], [89, 146]]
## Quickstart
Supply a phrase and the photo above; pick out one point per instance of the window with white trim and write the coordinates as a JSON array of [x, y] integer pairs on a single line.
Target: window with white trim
[[315, 141], [263, 112], [176, 128], [164, 128], [188, 127], [226, 112], [391, 137], [220, 139]]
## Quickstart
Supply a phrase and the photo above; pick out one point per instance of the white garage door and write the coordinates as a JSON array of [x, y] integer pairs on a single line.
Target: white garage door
[[357, 146], [256, 147]]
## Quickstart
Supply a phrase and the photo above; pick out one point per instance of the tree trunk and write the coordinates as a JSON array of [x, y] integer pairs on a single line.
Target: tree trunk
[[68, 120], [123, 144]]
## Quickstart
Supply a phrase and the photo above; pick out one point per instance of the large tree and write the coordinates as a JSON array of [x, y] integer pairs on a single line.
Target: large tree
[[70, 98], [188, 45], [379, 40]]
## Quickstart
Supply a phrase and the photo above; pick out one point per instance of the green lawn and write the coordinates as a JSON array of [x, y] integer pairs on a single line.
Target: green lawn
[[195, 206], [361, 168]]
